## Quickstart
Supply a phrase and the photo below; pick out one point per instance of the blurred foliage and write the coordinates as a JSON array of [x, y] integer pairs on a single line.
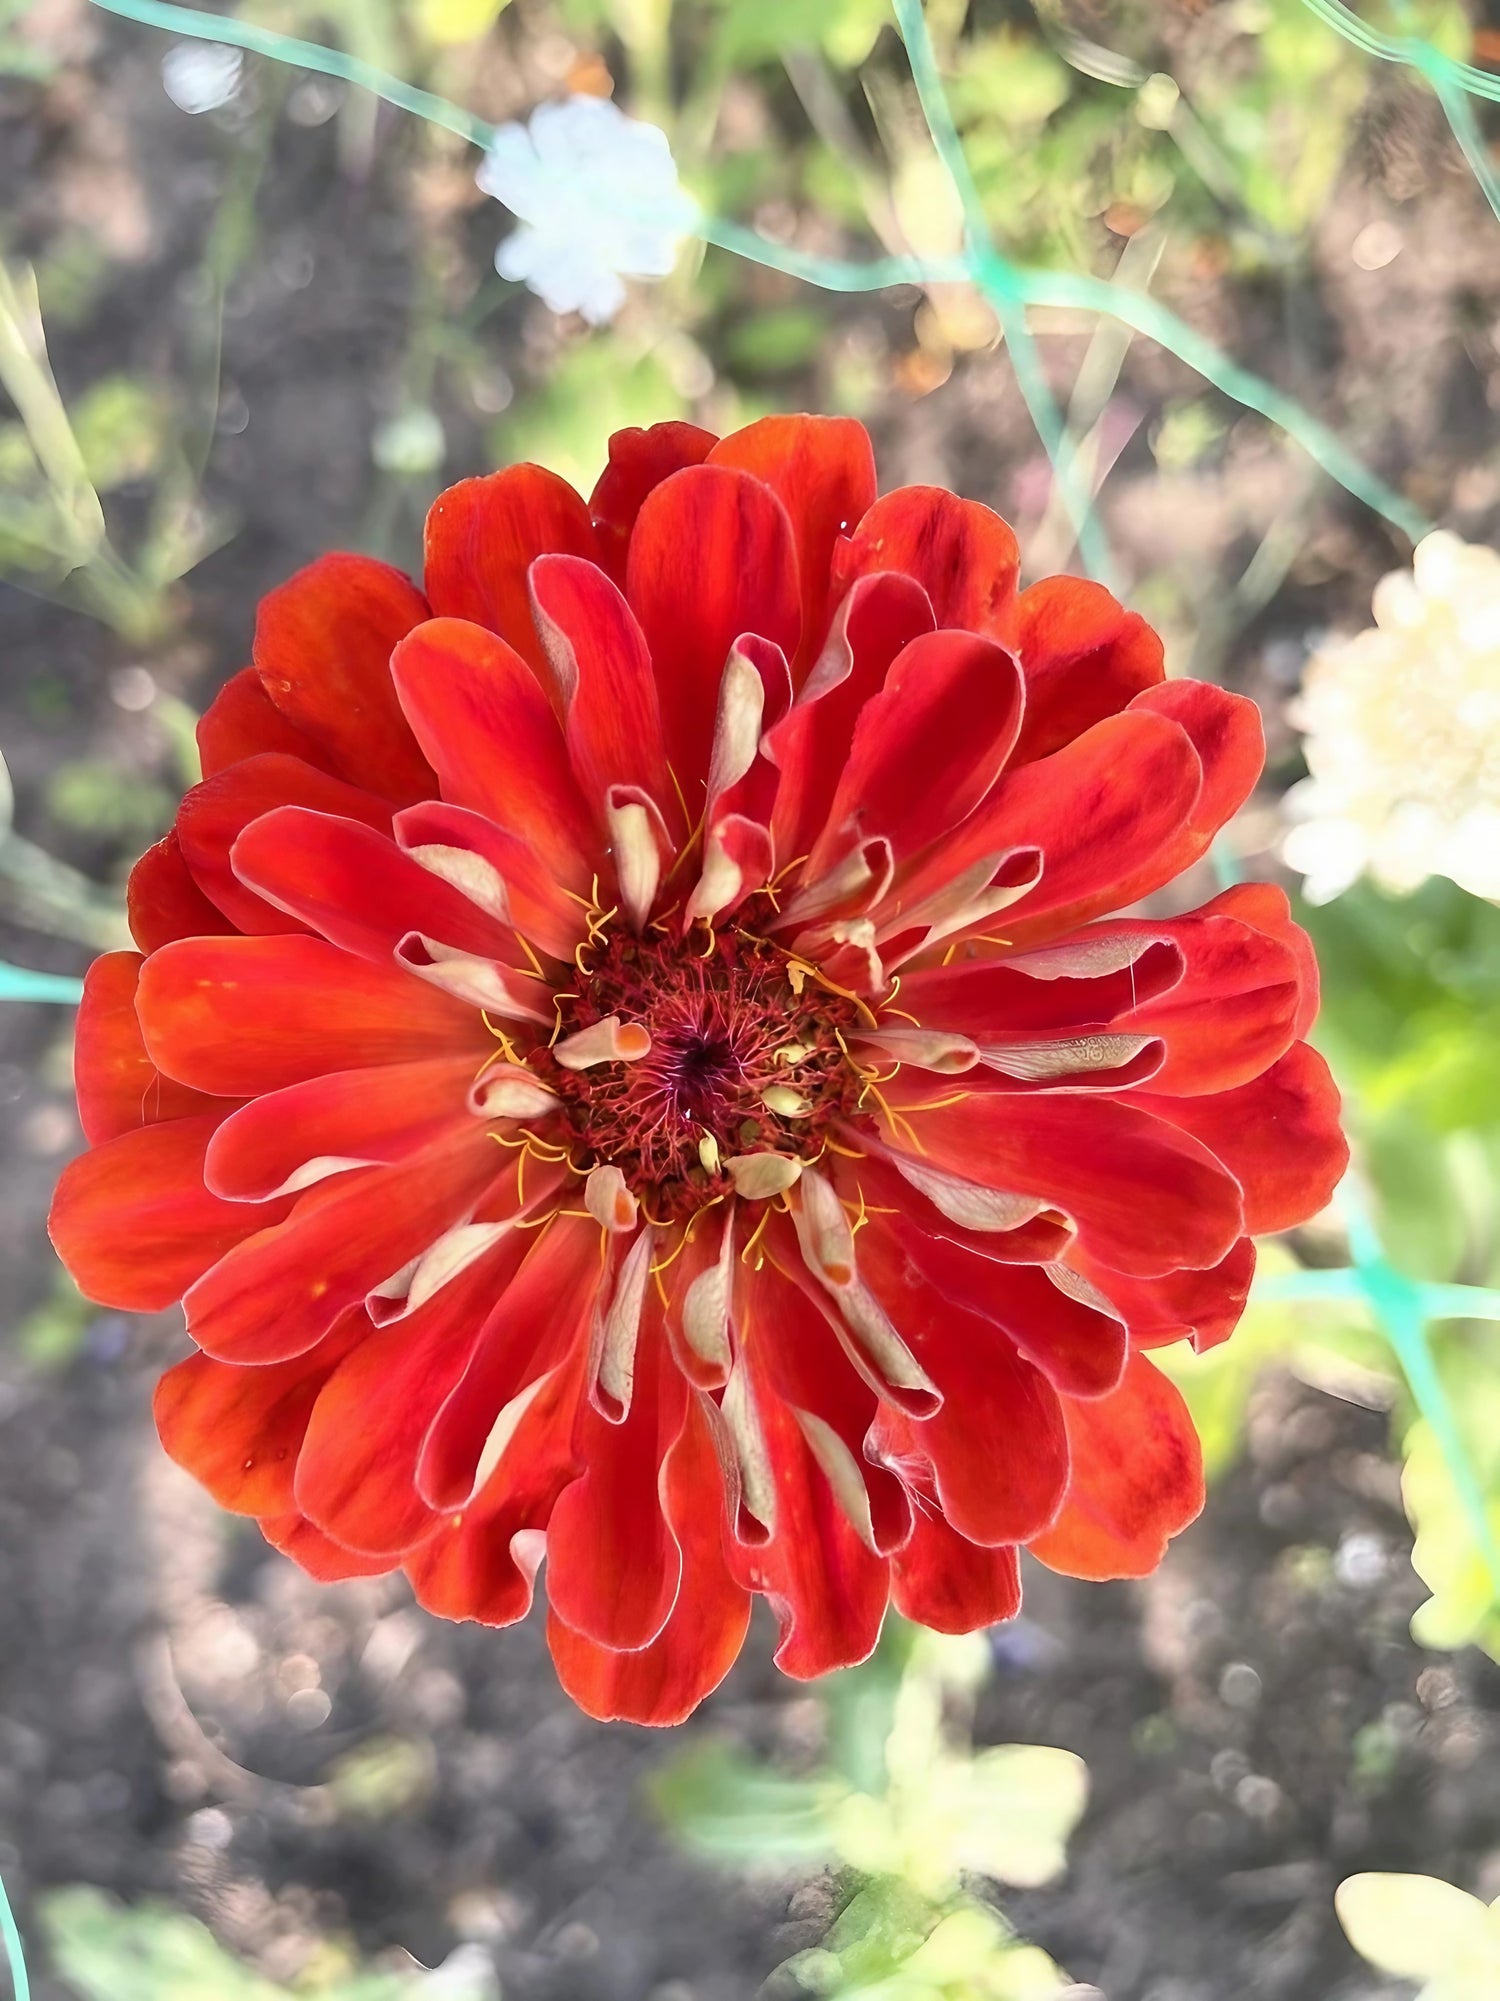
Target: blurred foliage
[[19, 56], [55, 463], [106, 1951], [1424, 1930], [382, 1776], [93, 795], [52, 1335], [1332, 1344], [1411, 1022], [598, 386], [907, 1805], [45, 894]]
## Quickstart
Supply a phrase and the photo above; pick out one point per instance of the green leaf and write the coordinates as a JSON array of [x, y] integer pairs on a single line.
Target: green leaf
[[1463, 1608], [776, 342], [1421, 1928], [600, 386], [719, 1803], [108, 1952]]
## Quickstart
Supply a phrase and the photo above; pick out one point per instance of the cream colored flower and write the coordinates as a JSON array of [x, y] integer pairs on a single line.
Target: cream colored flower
[[598, 200], [1402, 735]]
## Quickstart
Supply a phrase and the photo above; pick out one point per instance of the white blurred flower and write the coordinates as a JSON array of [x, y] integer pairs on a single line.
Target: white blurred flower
[[201, 76], [1402, 734], [598, 200]]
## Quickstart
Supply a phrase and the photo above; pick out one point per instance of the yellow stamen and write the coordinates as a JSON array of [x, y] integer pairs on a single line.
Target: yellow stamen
[[756, 1236]]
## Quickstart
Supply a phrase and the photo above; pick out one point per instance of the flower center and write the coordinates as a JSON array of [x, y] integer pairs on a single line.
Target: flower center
[[748, 1055]]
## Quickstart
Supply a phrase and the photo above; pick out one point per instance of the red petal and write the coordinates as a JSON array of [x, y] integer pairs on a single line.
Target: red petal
[[1080, 1350], [712, 557], [163, 901], [484, 534], [238, 1016], [538, 907], [319, 1555], [806, 1368], [323, 644], [215, 813], [827, 1589], [963, 555], [119, 1087], [1203, 1307], [133, 1222], [993, 997], [1234, 1012], [614, 1565], [950, 1585], [663, 1683], [357, 888], [481, 1564], [879, 616], [822, 469], [995, 1444], [1266, 907], [481, 716], [1146, 1197], [1278, 1136], [927, 748], [876, 1183], [281, 1290], [1137, 1480], [1099, 810], [1225, 732], [239, 1431], [604, 681], [1084, 657], [536, 1323], [357, 1474], [242, 721], [364, 1116], [638, 461]]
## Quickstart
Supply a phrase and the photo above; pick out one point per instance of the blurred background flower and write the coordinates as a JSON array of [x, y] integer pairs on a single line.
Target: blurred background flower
[[598, 200], [1401, 731]]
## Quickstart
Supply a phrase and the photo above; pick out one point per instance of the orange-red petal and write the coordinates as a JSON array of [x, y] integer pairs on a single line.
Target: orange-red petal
[[239, 1431], [481, 715], [482, 537], [961, 553], [119, 1087], [822, 469], [323, 644], [133, 1222], [639, 459], [1084, 657], [1137, 1480], [238, 1016], [664, 1681], [242, 721], [712, 556]]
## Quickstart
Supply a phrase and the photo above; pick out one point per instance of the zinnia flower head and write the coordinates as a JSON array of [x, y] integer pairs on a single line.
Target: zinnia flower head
[[629, 1059], [1402, 738]]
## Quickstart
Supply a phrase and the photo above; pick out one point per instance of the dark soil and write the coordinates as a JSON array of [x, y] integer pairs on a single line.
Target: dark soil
[[182, 1714]]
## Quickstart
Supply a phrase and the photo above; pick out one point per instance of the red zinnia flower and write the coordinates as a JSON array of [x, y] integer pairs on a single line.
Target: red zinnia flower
[[630, 1061]]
